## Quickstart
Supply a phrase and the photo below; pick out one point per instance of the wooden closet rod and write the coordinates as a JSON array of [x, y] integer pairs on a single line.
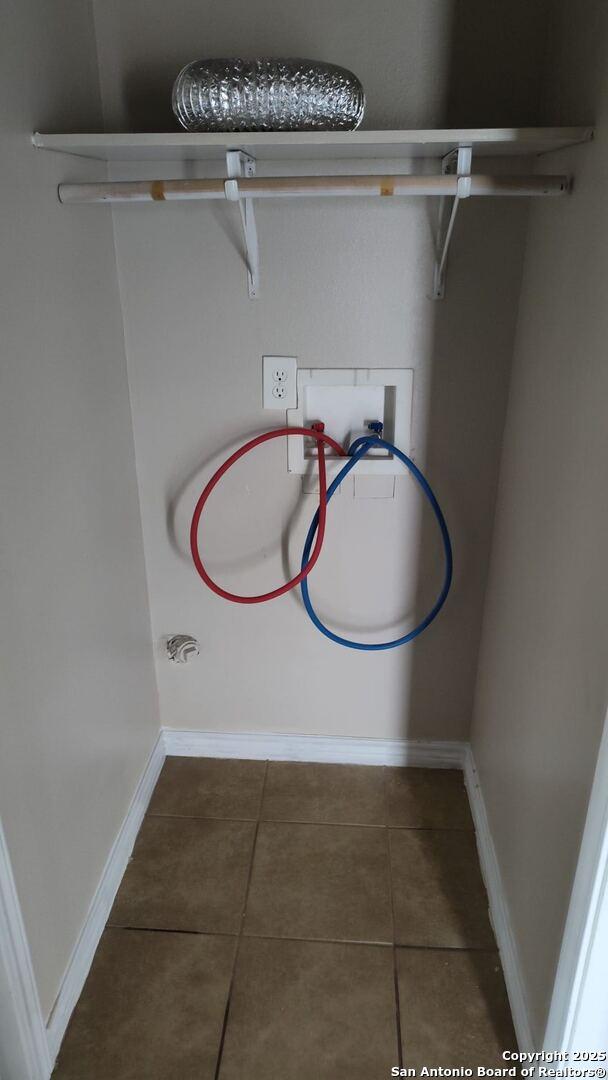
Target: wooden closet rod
[[307, 187]]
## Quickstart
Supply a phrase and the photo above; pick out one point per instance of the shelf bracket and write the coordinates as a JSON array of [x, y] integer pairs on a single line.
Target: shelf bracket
[[457, 162], [241, 164]]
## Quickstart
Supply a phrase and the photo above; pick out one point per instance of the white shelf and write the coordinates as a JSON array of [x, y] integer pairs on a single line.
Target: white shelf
[[452, 149], [314, 145]]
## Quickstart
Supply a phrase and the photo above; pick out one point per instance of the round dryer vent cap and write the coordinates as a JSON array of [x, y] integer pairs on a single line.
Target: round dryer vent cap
[[182, 647]]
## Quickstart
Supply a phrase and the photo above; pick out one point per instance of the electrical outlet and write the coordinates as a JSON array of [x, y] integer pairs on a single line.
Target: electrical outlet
[[279, 388]]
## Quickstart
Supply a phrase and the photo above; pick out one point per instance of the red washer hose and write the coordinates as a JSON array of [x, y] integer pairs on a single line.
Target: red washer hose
[[315, 432]]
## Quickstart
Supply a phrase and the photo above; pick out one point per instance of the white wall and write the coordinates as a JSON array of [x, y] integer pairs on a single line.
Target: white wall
[[79, 712], [543, 681], [195, 343], [422, 62], [343, 285]]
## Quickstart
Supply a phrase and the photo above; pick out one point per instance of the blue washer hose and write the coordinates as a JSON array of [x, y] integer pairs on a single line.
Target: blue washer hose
[[356, 451]]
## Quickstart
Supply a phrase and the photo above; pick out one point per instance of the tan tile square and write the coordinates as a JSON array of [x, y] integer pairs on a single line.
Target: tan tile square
[[209, 787], [310, 1010], [320, 881], [152, 1009], [439, 897], [428, 799], [454, 1008], [186, 874], [298, 791]]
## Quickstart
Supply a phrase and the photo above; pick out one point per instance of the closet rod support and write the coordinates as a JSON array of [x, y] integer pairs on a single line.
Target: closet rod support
[[458, 161], [239, 164]]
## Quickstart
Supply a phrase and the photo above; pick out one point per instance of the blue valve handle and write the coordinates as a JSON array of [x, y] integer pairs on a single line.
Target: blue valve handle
[[356, 451]]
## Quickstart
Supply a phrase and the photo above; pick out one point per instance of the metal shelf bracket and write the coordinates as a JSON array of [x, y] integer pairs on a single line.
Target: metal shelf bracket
[[458, 162], [241, 164]]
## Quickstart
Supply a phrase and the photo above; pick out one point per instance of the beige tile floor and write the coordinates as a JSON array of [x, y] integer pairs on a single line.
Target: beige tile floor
[[279, 921]]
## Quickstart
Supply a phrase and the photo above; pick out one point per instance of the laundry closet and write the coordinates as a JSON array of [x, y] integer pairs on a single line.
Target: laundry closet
[[375, 784]]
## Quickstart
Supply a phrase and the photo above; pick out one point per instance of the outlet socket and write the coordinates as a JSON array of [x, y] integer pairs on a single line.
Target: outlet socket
[[279, 382]]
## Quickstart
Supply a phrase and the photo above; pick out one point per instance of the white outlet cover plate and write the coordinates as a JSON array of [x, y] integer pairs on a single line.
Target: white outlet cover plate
[[345, 399], [279, 393]]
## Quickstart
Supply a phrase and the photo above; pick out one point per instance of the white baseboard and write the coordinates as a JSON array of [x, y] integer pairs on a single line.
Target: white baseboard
[[23, 1046], [499, 911], [341, 750], [97, 915]]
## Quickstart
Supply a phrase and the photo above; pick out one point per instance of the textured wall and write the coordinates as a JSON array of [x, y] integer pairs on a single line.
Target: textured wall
[[195, 343], [343, 285], [543, 683], [79, 712], [423, 63]]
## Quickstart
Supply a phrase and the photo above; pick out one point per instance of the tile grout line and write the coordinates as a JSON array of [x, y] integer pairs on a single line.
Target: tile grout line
[[394, 944], [220, 1050], [310, 821], [368, 944]]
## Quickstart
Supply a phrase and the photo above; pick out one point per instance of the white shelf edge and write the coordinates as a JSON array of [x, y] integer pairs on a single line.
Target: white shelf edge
[[181, 145]]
